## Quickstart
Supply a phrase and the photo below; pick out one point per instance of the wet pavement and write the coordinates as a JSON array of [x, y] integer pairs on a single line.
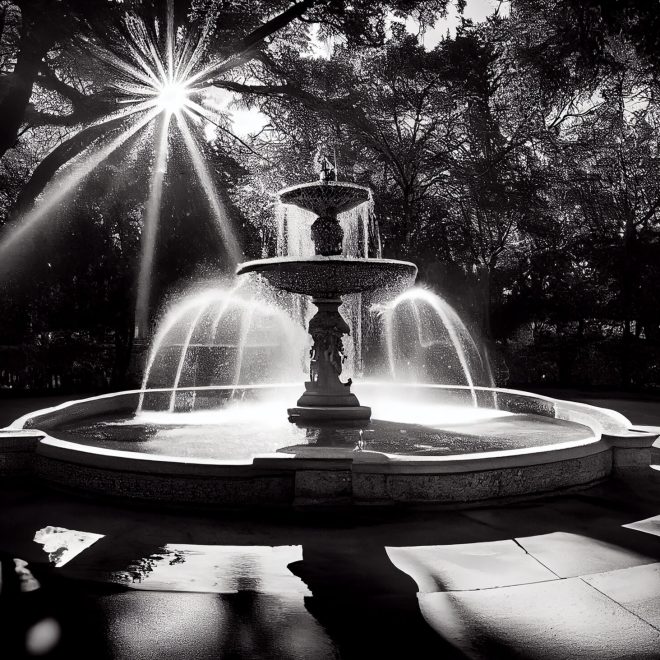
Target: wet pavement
[[576, 575], [531, 580]]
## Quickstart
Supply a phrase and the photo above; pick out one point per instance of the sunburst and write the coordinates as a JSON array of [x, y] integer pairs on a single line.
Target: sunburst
[[156, 75]]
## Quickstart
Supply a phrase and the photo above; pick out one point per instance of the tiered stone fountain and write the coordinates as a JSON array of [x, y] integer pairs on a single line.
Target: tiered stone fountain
[[425, 443], [326, 277]]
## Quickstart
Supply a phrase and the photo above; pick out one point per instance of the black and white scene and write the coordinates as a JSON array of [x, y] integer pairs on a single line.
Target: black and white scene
[[330, 329]]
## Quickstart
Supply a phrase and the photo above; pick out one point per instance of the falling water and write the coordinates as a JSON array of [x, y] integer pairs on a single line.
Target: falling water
[[422, 309], [203, 309], [361, 236], [223, 336]]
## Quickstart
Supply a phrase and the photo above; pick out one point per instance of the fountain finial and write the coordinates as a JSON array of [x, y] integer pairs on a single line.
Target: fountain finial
[[328, 172], [323, 165]]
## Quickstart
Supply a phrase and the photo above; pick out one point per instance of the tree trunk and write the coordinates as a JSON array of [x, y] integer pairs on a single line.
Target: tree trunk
[[17, 86], [628, 278], [484, 276], [124, 335]]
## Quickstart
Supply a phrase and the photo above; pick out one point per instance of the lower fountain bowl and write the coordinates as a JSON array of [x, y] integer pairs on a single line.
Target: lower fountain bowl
[[329, 276]]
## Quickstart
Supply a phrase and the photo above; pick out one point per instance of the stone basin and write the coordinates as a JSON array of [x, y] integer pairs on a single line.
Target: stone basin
[[424, 444], [321, 276], [321, 197]]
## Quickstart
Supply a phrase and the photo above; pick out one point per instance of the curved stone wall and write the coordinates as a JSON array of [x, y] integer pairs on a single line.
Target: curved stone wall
[[331, 475]]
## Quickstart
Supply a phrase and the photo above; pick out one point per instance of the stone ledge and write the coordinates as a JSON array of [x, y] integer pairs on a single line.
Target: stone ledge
[[486, 484], [257, 490], [309, 485], [320, 487], [17, 451]]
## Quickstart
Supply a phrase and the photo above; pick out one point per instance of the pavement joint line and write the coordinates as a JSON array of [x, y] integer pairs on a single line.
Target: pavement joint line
[[536, 559], [499, 586], [581, 577]]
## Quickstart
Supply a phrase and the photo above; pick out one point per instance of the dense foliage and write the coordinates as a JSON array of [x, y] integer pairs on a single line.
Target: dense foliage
[[516, 162]]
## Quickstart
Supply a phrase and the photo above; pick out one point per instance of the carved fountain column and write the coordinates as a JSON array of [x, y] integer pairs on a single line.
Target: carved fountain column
[[327, 328], [324, 389]]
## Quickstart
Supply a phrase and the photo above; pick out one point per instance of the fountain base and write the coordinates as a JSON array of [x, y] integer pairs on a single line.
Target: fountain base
[[332, 395], [335, 401], [447, 453], [334, 413]]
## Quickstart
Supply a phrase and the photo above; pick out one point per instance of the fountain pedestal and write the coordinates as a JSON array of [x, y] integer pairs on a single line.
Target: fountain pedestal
[[325, 395], [325, 277]]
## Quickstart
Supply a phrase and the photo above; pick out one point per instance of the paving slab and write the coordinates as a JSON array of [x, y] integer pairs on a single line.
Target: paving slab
[[570, 555], [648, 525], [547, 620], [637, 589], [468, 566]]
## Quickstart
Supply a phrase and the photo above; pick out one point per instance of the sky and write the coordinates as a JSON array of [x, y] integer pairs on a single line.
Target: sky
[[476, 10], [248, 122]]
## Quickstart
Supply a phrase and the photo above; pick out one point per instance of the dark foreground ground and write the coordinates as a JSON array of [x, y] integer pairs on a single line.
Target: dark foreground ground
[[570, 576]]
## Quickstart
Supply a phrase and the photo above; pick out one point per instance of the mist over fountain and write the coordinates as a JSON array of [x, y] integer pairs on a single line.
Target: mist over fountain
[[326, 277]]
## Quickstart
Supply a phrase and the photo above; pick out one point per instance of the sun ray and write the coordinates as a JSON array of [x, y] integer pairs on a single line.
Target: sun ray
[[64, 186], [141, 48], [135, 89], [126, 112], [149, 71], [220, 214], [125, 68], [205, 73], [158, 62], [169, 40], [186, 54], [153, 70], [200, 48], [150, 228], [200, 110]]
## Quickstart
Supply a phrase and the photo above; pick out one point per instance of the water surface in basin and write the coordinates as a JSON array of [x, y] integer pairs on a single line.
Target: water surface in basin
[[241, 430]]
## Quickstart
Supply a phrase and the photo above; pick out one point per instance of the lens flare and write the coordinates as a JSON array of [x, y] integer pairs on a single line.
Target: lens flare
[[172, 97]]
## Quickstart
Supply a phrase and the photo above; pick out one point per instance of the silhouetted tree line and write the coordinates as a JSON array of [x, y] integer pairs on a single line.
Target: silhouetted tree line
[[516, 163]]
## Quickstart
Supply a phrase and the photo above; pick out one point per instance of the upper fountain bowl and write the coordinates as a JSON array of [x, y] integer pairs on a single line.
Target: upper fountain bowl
[[325, 197], [334, 275]]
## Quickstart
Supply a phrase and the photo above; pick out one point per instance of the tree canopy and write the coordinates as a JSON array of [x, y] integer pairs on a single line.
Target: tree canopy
[[515, 160]]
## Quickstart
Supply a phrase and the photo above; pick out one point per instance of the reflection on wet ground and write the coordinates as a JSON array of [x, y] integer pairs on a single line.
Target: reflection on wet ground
[[189, 584]]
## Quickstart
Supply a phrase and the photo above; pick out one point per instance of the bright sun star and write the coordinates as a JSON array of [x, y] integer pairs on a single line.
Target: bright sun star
[[172, 97]]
